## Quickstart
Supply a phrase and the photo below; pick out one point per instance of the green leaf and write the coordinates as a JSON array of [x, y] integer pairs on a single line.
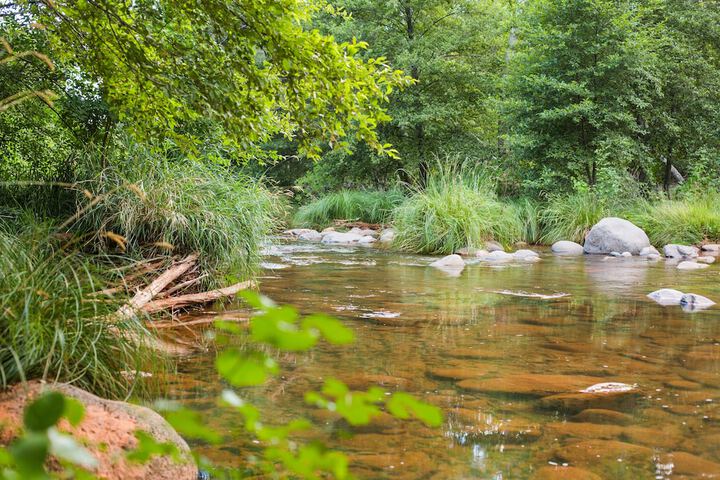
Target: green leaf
[[29, 454], [148, 447], [331, 328], [74, 411], [403, 406], [44, 412], [189, 424], [244, 370]]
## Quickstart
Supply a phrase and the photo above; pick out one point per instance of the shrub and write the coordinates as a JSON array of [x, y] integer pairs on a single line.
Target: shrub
[[371, 206], [529, 216], [156, 206], [52, 327], [572, 216], [458, 208], [690, 220]]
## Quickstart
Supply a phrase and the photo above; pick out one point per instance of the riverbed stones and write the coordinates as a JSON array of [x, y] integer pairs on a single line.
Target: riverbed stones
[[560, 472], [341, 238], [107, 431], [649, 251], [604, 416], [367, 240], [673, 250], [691, 265], [529, 384], [714, 248], [705, 259], [458, 372], [594, 452], [565, 247], [311, 236], [497, 256], [450, 261], [607, 396], [684, 463], [615, 234], [525, 255], [692, 302], [666, 296]]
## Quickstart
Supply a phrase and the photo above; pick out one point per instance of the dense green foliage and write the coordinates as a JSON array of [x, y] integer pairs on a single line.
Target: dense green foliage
[[53, 327], [690, 220], [146, 205], [371, 206], [458, 208]]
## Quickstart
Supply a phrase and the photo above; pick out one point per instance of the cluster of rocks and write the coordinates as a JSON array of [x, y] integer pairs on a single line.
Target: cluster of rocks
[[357, 236], [493, 253], [617, 237], [688, 301]]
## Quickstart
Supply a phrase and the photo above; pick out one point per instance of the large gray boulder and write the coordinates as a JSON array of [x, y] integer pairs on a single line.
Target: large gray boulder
[[565, 247], [615, 235]]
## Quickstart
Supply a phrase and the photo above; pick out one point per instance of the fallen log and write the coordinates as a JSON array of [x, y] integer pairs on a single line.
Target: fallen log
[[145, 295], [181, 286], [195, 298], [199, 321]]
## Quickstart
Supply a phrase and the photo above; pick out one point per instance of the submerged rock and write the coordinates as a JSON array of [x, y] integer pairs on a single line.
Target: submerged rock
[[598, 452], [565, 247], [311, 236], [601, 415], [497, 256], [107, 431], [667, 296], [692, 302], [649, 251], [626, 254], [559, 472], [680, 251], [615, 234], [453, 260], [705, 259], [530, 384], [690, 265], [526, 255], [684, 463], [343, 238], [607, 396]]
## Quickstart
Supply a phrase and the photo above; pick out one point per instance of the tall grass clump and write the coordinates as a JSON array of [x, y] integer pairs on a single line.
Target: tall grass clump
[[458, 208], [371, 206], [570, 217], [690, 220], [529, 215], [54, 327], [158, 207]]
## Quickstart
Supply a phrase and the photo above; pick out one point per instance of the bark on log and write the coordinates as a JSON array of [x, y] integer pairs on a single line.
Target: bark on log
[[195, 298], [200, 321], [142, 297]]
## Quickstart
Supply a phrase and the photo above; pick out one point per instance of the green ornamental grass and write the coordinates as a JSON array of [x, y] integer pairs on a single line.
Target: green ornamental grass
[[371, 206], [457, 209]]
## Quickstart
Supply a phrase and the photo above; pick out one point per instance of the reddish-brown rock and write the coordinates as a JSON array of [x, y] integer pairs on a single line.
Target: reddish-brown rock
[[551, 472], [599, 415], [107, 431], [688, 464], [530, 384]]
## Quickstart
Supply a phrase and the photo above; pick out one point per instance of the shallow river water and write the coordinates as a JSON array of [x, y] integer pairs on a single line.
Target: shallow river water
[[504, 351]]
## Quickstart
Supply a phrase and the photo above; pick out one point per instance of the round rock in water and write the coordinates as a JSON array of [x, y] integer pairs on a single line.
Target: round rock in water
[[387, 235], [667, 296], [565, 247], [691, 302], [497, 256], [649, 251], [453, 261], [526, 255], [615, 235], [680, 251], [691, 265], [492, 246]]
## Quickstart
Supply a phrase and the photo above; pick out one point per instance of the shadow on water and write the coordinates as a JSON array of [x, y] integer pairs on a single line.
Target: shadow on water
[[505, 351]]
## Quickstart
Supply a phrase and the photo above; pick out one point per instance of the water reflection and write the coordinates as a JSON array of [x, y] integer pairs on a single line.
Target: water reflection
[[505, 352]]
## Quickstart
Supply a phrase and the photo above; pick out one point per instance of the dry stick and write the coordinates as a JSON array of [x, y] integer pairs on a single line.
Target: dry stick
[[158, 285], [195, 298], [180, 286], [200, 321]]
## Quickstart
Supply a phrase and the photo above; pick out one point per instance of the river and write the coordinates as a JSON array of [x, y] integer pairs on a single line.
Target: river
[[504, 351]]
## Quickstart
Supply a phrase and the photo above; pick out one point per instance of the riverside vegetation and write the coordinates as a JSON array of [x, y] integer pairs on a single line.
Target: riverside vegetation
[[149, 149]]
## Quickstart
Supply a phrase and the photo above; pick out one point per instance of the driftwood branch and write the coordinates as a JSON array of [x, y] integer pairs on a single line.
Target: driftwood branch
[[199, 321], [195, 298], [145, 295]]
